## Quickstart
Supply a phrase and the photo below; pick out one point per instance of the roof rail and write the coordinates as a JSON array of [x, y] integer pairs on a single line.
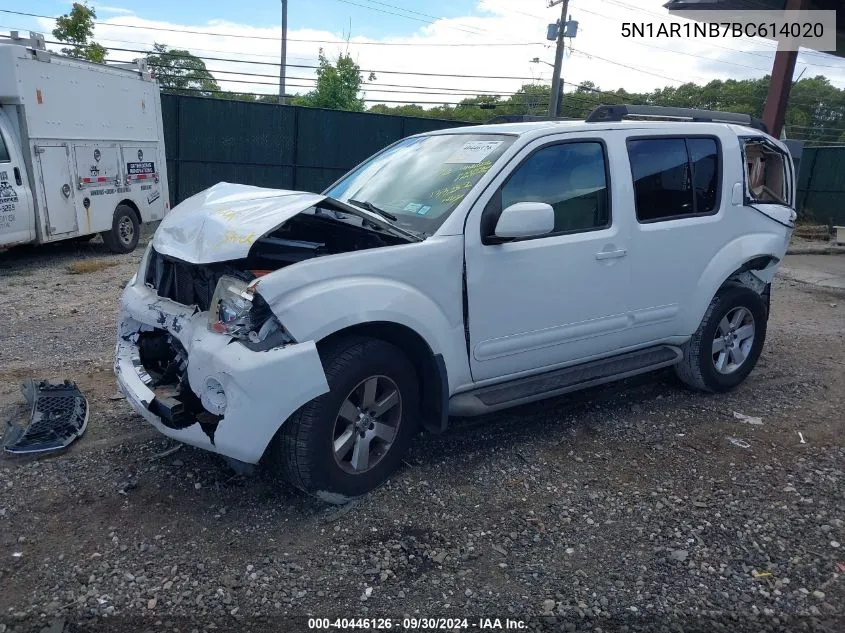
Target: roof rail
[[523, 118], [608, 113]]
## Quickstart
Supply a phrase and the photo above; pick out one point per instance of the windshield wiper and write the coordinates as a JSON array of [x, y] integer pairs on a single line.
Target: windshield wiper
[[369, 206]]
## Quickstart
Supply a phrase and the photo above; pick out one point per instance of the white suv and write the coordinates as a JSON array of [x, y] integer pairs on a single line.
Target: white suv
[[455, 273]]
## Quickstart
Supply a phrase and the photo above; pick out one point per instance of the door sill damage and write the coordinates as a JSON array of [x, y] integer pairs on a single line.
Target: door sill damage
[[58, 415]]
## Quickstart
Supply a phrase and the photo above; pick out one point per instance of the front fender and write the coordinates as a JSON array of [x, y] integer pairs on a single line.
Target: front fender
[[317, 310], [727, 261]]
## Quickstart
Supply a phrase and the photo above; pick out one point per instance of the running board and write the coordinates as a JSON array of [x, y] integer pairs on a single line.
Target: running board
[[560, 381]]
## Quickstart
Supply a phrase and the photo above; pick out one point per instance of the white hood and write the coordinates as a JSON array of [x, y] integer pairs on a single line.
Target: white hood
[[222, 222]]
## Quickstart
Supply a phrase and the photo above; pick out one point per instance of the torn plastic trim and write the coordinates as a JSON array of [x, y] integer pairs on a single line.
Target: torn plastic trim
[[58, 415]]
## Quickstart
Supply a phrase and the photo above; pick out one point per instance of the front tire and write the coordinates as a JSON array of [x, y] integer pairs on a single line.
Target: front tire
[[125, 231], [348, 441], [727, 344]]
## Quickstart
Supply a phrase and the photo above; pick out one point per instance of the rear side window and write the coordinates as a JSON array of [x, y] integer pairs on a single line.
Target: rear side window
[[4, 152], [674, 177]]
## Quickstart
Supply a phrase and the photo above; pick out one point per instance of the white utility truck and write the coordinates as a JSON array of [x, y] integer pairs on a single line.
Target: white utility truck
[[81, 148]]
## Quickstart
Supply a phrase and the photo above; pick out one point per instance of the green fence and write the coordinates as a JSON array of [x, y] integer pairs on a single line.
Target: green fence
[[290, 147], [286, 147], [821, 185]]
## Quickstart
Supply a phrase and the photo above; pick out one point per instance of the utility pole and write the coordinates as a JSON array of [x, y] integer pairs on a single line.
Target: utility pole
[[554, 100], [283, 65]]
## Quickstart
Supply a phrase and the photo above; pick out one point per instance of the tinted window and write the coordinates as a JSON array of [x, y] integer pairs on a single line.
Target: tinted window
[[704, 155], [674, 177], [571, 177], [4, 153]]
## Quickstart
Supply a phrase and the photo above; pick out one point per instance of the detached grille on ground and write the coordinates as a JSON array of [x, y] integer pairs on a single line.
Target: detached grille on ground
[[58, 414]]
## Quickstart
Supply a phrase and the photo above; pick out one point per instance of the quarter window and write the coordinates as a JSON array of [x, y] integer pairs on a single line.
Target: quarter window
[[571, 177], [674, 177]]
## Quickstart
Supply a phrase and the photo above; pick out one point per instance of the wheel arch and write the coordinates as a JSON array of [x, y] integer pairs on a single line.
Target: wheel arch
[[131, 204], [430, 367], [750, 261]]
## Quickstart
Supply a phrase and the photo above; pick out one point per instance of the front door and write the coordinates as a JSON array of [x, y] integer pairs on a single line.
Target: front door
[[58, 191], [17, 221], [541, 302]]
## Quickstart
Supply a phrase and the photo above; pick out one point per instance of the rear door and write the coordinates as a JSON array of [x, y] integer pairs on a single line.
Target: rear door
[[679, 206], [57, 189], [17, 220]]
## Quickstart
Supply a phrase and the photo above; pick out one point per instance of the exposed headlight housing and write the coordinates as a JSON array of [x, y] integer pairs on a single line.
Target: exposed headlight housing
[[237, 310]]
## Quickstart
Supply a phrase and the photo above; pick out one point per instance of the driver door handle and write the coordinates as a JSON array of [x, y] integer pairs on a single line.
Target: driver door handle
[[611, 254]]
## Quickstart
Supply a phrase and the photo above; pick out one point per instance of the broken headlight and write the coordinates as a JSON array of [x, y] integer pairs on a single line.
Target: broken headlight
[[238, 311]]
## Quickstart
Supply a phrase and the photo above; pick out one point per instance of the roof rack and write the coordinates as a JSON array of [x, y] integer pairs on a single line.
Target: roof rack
[[608, 113]]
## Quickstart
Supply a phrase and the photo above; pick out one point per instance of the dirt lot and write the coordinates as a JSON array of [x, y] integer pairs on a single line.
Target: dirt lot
[[625, 508]]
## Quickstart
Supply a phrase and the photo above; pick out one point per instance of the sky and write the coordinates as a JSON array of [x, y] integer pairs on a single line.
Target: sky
[[497, 39]]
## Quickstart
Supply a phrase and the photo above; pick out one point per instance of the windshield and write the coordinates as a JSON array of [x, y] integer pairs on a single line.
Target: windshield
[[421, 180]]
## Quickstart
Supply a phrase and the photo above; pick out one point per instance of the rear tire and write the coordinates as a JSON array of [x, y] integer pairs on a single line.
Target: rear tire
[[727, 344], [125, 231], [327, 449]]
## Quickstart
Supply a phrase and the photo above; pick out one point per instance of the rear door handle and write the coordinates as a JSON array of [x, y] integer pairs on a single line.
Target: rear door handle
[[611, 254], [18, 180]]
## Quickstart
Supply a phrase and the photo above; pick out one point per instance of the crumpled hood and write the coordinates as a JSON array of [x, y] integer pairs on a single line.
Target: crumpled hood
[[222, 222]]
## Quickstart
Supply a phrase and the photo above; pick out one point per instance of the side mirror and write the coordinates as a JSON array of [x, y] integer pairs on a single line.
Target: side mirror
[[526, 219]]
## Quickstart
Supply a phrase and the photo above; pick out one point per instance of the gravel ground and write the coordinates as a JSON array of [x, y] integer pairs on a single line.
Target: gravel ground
[[625, 508]]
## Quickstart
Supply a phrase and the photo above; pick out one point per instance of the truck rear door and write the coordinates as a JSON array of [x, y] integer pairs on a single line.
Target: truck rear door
[[17, 220]]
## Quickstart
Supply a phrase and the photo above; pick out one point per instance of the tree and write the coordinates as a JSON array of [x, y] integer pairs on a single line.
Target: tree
[[75, 28], [816, 112], [178, 70], [338, 85]]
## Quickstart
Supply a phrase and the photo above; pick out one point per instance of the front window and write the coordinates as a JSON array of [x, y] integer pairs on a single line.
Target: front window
[[421, 180]]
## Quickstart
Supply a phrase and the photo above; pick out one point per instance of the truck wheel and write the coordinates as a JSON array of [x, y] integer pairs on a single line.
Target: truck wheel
[[727, 344], [348, 441], [125, 231]]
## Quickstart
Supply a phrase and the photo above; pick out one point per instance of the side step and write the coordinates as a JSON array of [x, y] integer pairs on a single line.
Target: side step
[[560, 381]]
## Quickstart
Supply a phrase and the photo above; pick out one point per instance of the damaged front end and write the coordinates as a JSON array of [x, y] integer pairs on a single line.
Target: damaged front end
[[199, 353]]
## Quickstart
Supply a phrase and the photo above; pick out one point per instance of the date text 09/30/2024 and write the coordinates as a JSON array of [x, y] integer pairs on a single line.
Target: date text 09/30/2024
[[417, 624]]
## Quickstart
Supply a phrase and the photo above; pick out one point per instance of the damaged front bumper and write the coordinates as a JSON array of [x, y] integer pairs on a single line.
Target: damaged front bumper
[[245, 395]]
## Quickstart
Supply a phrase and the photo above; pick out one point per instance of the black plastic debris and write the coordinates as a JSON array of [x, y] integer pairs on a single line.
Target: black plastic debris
[[58, 416]]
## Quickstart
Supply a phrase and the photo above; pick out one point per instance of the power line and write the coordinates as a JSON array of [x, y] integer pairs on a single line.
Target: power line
[[432, 90], [180, 55], [292, 39], [363, 70], [307, 66], [266, 94], [479, 92], [408, 17], [276, 39], [584, 53]]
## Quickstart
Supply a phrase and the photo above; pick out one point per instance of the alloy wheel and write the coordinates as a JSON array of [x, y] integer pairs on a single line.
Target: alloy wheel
[[367, 424], [733, 340]]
